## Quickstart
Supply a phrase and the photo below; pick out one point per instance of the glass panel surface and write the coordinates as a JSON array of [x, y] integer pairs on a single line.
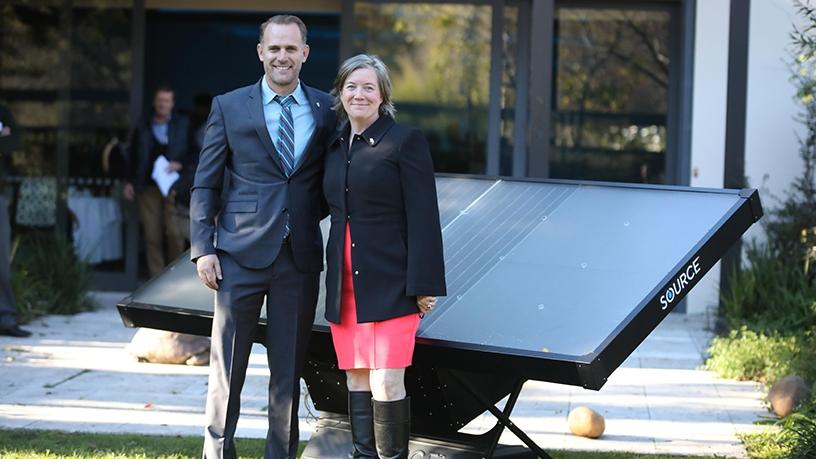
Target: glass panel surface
[[29, 51], [556, 268], [439, 58], [54, 57], [219, 48], [481, 238], [456, 194], [610, 94], [178, 287], [99, 123], [31, 74]]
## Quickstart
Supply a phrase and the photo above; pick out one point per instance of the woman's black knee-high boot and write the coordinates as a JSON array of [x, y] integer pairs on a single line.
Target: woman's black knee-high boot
[[392, 427], [361, 418]]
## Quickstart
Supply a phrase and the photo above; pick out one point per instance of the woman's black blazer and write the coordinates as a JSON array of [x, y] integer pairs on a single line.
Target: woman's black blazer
[[384, 187]]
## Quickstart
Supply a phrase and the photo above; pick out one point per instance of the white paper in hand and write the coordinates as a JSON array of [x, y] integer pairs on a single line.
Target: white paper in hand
[[163, 178]]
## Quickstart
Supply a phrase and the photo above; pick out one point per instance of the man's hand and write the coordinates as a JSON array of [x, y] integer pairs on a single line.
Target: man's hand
[[174, 166], [209, 270], [128, 192]]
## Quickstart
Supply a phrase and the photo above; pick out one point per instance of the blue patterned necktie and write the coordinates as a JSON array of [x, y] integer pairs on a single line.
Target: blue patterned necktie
[[286, 133]]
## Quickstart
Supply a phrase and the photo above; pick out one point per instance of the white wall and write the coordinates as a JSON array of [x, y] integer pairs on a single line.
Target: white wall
[[771, 156], [771, 145], [708, 122]]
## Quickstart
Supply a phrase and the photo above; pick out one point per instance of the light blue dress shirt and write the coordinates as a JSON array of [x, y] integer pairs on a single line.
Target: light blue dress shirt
[[304, 122], [160, 130]]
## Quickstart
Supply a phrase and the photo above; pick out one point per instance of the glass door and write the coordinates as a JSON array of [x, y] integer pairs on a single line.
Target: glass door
[[65, 75], [98, 216], [612, 81]]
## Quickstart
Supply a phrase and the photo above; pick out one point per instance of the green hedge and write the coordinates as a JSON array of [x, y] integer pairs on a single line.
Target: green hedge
[[47, 277], [746, 354], [773, 294]]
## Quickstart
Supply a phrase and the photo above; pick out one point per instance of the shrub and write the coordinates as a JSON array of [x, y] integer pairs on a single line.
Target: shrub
[[765, 444], [47, 277], [795, 437], [749, 355], [770, 294], [801, 427]]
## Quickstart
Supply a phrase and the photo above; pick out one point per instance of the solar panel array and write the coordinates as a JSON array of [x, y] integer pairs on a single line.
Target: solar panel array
[[550, 268]]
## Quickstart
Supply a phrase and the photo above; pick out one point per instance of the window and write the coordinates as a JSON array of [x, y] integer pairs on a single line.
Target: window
[[439, 59], [611, 94]]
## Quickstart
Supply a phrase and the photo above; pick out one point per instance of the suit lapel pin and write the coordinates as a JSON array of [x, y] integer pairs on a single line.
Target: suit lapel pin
[[318, 104], [371, 141]]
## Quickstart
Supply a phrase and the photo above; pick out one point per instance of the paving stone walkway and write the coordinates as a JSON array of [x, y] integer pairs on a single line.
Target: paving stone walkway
[[73, 374]]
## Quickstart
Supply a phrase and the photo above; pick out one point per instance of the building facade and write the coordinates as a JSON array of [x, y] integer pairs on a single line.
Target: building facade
[[683, 92]]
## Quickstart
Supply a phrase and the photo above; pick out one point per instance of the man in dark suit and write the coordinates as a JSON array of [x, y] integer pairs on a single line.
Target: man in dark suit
[[164, 133], [9, 141], [259, 237]]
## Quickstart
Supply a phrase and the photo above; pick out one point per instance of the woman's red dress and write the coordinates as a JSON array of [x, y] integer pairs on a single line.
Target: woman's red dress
[[385, 344]]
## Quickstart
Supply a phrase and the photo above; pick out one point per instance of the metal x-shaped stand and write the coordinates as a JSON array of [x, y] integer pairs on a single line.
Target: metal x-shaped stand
[[503, 418]]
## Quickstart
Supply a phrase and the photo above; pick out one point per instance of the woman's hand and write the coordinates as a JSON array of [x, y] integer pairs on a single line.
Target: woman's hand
[[426, 303]]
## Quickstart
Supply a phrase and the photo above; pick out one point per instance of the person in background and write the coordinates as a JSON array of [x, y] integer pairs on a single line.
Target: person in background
[[163, 133], [9, 141], [384, 256]]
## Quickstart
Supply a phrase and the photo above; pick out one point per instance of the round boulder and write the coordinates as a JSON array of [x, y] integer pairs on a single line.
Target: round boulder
[[786, 394], [586, 422], [159, 346]]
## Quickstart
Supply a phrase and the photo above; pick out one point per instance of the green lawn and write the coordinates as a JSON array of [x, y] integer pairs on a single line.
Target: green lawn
[[42, 444]]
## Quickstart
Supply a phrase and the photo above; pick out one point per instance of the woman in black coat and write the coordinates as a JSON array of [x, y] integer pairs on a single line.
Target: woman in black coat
[[385, 259]]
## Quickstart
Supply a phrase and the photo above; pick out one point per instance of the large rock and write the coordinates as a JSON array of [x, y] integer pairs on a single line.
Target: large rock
[[787, 393], [159, 346], [585, 422]]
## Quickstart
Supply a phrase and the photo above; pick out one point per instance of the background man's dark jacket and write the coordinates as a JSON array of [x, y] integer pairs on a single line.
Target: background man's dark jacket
[[142, 153]]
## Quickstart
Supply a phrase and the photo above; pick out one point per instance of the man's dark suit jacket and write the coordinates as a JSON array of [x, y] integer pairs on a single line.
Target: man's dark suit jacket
[[8, 143], [142, 143], [252, 217], [384, 187]]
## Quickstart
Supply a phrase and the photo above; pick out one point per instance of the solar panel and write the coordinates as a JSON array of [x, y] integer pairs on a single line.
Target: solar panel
[[455, 192], [556, 268], [547, 270], [550, 280]]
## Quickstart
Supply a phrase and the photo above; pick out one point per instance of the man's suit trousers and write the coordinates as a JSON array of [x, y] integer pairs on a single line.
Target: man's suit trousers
[[291, 298]]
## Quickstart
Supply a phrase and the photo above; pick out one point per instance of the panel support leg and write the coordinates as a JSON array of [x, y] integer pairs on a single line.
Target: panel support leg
[[503, 417]]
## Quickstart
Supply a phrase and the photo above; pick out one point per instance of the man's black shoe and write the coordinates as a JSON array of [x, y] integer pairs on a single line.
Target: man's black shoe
[[14, 330]]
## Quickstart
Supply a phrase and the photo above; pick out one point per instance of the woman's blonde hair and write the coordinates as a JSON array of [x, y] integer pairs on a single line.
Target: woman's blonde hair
[[361, 61]]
